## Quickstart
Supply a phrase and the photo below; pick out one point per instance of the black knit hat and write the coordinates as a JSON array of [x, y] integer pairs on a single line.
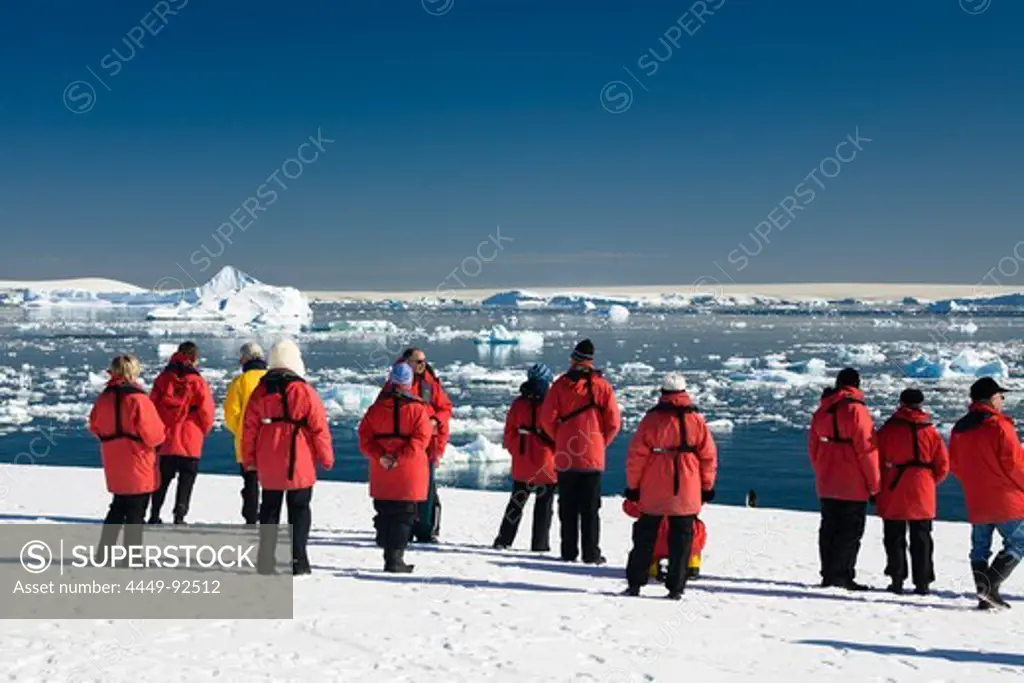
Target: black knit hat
[[985, 388], [848, 377], [911, 397], [583, 351]]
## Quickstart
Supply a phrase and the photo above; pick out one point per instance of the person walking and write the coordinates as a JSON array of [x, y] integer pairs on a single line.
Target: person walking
[[533, 463], [285, 436], [985, 455], [427, 386], [127, 425], [581, 414], [670, 473], [845, 461], [185, 404], [394, 435], [914, 461], [254, 367]]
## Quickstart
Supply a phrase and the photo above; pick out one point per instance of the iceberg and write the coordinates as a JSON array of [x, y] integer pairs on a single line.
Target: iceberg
[[479, 450], [240, 300], [501, 335], [968, 363], [618, 315], [348, 399], [860, 355]]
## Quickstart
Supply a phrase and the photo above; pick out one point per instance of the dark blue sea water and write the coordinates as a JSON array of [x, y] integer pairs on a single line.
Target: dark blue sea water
[[46, 390]]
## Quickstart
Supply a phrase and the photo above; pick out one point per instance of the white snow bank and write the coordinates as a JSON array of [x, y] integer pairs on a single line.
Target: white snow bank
[[470, 613]]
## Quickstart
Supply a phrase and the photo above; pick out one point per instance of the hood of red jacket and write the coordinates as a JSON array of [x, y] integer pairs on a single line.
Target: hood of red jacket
[[180, 359], [842, 394], [911, 415], [582, 364], [979, 407], [676, 398]]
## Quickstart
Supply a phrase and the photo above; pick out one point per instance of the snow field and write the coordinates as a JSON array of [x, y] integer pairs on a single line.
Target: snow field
[[470, 613]]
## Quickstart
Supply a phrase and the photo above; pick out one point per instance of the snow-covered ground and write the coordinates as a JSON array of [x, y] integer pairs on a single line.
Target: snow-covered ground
[[473, 614]]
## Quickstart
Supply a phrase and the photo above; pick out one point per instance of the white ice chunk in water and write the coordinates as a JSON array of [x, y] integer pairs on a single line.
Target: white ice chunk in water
[[618, 315]]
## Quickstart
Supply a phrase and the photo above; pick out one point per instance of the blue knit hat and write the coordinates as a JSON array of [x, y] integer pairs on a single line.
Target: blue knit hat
[[540, 372], [401, 374]]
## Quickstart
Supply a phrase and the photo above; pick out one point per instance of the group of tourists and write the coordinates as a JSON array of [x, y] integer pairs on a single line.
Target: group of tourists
[[557, 432], [898, 468]]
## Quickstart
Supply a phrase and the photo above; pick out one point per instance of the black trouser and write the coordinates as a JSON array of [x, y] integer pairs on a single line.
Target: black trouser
[[128, 511], [250, 495], [579, 505], [393, 522], [300, 518], [186, 470], [542, 506], [842, 527], [645, 536], [895, 534], [427, 521]]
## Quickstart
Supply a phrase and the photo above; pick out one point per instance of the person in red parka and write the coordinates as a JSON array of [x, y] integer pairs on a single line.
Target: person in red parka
[[533, 463], [914, 461], [394, 435], [427, 387], [185, 404], [670, 473], [845, 461], [129, 430], [581, 414], [985, 454], [285, 436]]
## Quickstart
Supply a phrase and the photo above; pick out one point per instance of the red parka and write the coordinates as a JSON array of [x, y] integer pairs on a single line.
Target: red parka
[[285, 436], [842, 447], [532, 449], [428, 387], [398, 424], [914, 461], [185, 404], [672, 458], [986, 457], [581, 413], [129, 429]]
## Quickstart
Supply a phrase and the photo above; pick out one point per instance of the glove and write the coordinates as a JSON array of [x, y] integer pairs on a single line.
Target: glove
[[873, 499], [632, 495], [388, 461], [707, 496]]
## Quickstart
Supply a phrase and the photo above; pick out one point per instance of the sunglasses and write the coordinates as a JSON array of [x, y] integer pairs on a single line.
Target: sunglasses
[[421, 361]]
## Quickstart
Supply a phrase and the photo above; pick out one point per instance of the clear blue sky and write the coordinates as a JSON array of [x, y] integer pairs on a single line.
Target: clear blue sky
[[492, 113]]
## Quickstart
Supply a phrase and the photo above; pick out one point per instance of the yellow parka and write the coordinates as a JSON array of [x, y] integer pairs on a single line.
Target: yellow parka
[[239, 391]]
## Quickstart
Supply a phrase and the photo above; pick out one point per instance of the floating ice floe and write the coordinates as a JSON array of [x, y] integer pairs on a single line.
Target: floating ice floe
[[618, 315], [501, 335], [359, 327], [348, 399], [968, 362], [479, 450], [775, 371], [721, 426], [859, 355], [969, 328]]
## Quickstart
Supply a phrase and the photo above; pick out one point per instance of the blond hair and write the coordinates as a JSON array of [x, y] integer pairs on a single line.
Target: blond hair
[[127, 366]]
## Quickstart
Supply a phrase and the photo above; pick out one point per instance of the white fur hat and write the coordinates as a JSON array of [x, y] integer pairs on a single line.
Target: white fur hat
[[674, 381], [286, 355]]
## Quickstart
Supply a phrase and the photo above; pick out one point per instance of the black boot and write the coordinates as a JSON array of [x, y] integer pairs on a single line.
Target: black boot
[[979, 569], [394, 562], [896, 588], [301, 567], [1000, 570]]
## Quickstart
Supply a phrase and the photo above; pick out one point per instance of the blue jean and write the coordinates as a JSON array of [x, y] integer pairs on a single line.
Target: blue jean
[[1013, 539]]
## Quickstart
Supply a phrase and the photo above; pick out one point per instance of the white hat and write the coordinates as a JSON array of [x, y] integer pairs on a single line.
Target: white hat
[[674, 381], [286, 355]]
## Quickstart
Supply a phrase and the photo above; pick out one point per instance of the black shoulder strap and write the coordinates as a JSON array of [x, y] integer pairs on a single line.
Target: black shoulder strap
[[279, 384], [915, 428], [591, 399], [834, 411], [120, 391], [684, 445]]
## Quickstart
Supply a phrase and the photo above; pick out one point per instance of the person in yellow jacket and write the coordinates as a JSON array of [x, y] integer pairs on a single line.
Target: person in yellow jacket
[[253, 368]]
